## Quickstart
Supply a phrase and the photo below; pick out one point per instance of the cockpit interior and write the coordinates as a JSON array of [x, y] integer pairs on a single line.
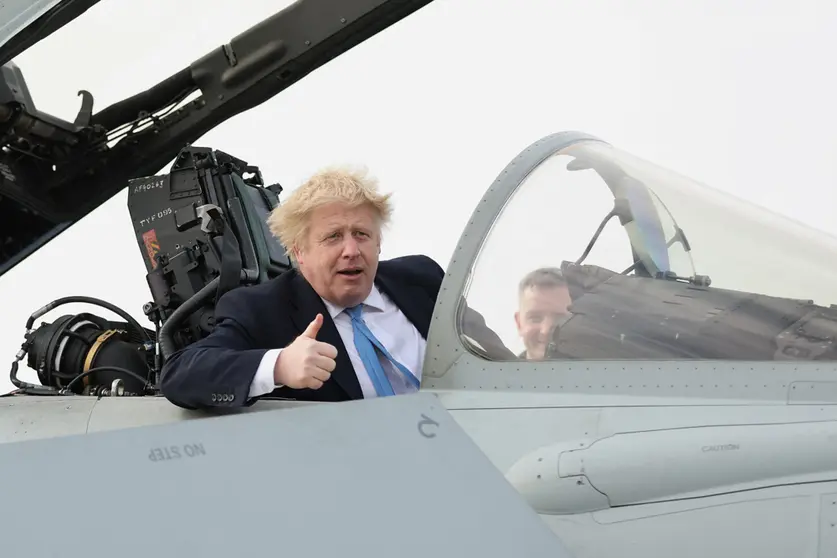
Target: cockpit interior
[[653, 266]]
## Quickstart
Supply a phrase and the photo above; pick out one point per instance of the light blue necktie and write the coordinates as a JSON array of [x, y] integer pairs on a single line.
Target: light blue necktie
[[365, 343]]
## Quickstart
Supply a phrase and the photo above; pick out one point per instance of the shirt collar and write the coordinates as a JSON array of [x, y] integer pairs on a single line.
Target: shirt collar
[[374, 301]]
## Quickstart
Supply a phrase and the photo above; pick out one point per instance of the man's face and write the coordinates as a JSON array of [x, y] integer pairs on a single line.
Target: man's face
[[542, 308], [339, 256]]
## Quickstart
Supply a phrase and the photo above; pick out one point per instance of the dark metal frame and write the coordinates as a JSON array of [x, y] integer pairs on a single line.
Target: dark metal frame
[[61, 171]]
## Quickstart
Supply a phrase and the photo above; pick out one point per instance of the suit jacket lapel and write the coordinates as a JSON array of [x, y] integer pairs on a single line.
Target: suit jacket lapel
[[409, 299], [308, 304]]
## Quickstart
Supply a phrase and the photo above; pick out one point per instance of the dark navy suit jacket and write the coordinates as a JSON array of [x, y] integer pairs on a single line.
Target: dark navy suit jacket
[[218, 369]]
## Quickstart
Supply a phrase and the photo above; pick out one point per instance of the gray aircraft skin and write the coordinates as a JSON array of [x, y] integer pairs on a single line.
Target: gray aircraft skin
[[685, 408]]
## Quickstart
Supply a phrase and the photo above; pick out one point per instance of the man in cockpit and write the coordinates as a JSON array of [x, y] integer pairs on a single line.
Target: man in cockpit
[[543, 304], [340, 325]]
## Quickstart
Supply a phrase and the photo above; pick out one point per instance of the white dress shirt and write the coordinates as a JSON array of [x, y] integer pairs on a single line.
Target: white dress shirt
[[387, 323]]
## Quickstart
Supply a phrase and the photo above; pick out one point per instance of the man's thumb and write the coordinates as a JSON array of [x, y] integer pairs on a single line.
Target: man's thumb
[[314, 327]]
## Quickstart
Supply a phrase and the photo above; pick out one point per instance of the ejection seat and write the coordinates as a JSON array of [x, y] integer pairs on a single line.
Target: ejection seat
[[202, 231]]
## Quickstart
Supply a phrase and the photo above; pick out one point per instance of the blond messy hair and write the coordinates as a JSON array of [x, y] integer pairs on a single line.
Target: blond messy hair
[[289, 221]]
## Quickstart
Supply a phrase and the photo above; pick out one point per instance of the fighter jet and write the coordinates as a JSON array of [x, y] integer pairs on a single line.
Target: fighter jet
[[664, 382]]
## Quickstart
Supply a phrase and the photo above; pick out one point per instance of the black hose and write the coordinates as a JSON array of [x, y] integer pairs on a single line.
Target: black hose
[[593, 240], [103, 369], [179, 315], [26, 387], [89, 300]]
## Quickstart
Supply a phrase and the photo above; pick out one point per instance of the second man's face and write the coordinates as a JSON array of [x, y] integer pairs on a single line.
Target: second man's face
[[541, 310], [340, 255]]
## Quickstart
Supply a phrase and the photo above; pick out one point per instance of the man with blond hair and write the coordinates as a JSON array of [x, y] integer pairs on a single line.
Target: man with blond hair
[[340, 325]]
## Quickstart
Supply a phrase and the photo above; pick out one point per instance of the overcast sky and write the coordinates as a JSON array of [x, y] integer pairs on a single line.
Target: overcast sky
[[737, 94]]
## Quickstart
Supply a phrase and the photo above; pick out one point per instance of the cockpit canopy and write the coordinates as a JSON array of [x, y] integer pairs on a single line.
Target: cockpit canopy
[[598, 254]]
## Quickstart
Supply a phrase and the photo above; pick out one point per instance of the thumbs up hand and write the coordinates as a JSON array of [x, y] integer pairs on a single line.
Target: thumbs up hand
[[306, 363]]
